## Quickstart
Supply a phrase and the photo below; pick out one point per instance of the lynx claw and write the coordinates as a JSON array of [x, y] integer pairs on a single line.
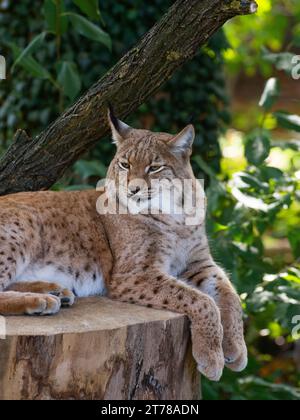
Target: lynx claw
[[236, 359], [67, 298], [239, 364]]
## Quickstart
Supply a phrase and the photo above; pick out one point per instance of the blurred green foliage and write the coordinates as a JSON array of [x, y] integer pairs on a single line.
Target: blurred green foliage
[[67, 63], [276, 27], [46, 59], [244, 209]]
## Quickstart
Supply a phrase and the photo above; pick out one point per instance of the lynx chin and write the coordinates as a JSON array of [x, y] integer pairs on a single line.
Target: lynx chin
[[56, 246]]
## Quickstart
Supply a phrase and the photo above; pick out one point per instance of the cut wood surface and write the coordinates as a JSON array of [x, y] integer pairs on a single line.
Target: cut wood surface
[[98, 349]]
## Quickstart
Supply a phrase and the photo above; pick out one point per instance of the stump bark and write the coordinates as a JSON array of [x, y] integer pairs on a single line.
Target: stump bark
[[101, 350]]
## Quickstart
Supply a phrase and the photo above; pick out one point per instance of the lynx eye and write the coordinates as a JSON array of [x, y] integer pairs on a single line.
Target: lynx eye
[[155, 169], [124, 165]]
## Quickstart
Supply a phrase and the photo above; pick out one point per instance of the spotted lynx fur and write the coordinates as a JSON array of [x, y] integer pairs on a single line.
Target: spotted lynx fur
[[55, 246]]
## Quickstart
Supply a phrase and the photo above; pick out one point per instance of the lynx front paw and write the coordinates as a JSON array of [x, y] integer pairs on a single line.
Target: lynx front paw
[[211, 364], [36, 304], [67, 298], [208, 351], [234, 346]]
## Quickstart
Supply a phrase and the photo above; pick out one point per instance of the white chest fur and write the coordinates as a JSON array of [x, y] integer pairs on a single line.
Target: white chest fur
[[83, 286]]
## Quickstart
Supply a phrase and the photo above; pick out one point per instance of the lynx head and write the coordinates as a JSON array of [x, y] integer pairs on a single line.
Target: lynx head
[[146, 163]]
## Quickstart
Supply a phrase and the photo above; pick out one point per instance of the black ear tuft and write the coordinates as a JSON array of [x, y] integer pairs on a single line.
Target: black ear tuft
[[118, 128], [114, 120]]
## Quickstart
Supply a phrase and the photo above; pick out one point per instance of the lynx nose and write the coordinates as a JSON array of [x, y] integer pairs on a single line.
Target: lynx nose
[[134, 190]]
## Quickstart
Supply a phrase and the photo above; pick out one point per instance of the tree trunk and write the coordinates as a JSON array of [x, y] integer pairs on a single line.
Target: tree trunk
[[36, 164], [98, 350]]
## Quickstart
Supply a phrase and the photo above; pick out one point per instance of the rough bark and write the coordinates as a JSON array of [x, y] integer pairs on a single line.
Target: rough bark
[[37, 163], [98, 350]]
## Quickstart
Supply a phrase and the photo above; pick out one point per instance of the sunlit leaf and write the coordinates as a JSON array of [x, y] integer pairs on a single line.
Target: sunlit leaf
[[219, 228], [290, 277], [286, 299], [258, 147], [270, 94], [288, 121], [249, 201]]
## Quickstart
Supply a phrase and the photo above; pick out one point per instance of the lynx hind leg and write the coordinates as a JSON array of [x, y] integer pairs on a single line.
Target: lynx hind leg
[[16, 303], [66, 297]]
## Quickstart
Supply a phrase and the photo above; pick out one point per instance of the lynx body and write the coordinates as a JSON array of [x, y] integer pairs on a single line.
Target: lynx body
[[55, 246]]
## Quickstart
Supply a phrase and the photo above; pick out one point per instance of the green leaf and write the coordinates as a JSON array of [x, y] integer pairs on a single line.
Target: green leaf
[[282, 61], [57, 22], [288, 121], [30, 49], [69, 79], [249, 201], [291, 278], [281, 391], [296, 40], [30, 64], [252, 181], [269, 172], [270, 94], [50, 15], [258, 146], [88, 29], [89, 7], [285, 144]]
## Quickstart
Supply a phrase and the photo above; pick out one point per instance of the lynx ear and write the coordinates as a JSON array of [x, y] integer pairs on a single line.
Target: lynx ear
[[118, 128], [183, 142]]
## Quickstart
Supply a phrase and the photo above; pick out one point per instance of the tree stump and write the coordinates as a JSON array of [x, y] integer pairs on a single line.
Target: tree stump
[[100, 350]]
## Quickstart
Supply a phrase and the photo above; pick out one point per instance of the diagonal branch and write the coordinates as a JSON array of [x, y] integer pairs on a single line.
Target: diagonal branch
[[37, 163]]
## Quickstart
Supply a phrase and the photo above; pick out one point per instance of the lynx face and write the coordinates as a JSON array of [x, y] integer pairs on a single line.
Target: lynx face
[[149, 168]]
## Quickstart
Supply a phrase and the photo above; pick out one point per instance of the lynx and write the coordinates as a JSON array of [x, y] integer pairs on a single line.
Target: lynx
[[57, 245]]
